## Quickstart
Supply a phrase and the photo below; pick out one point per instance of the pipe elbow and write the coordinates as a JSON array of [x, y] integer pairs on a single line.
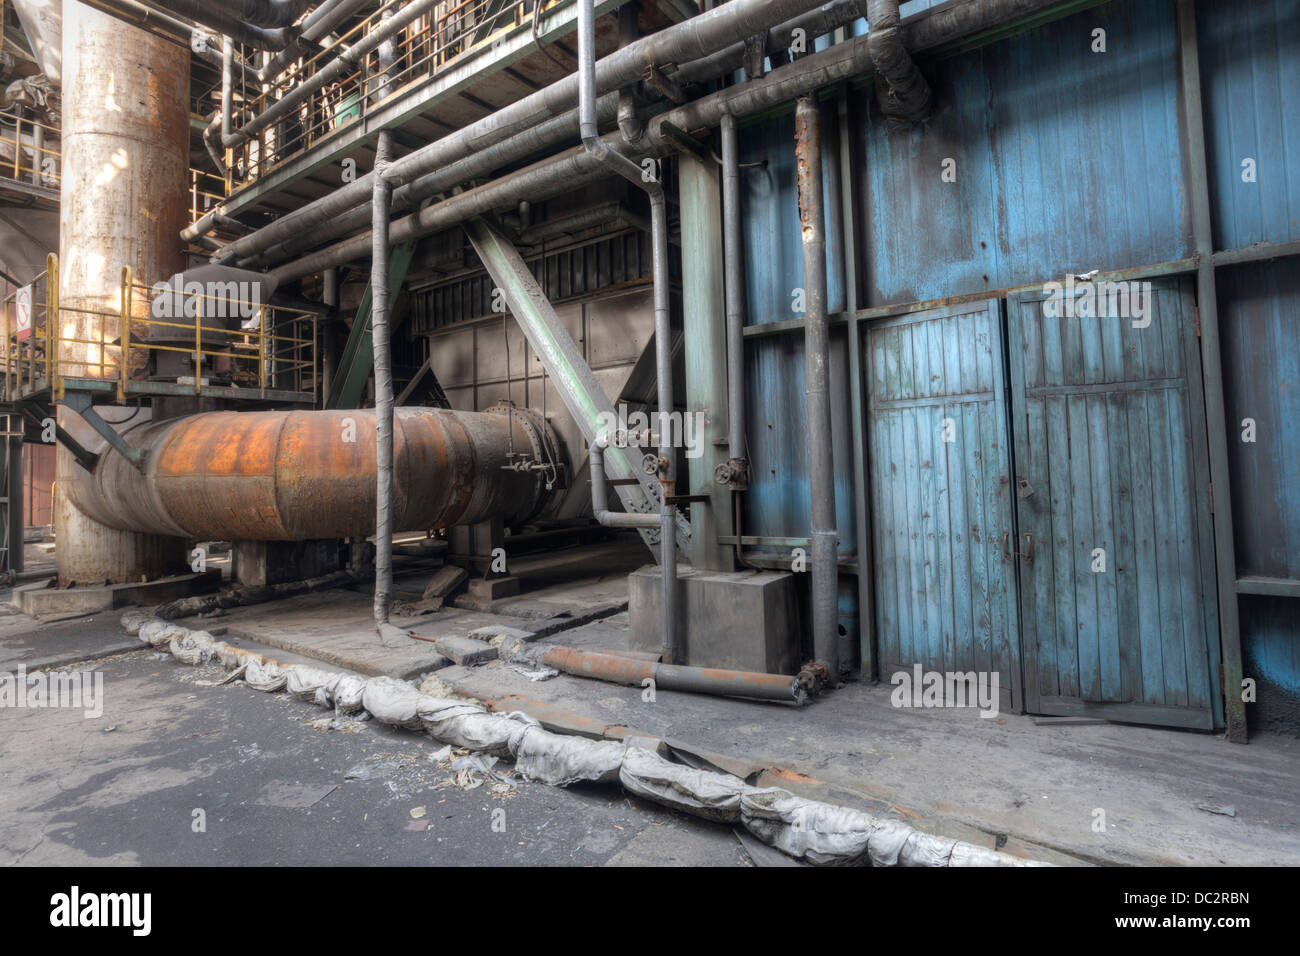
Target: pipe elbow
[[905, 95]]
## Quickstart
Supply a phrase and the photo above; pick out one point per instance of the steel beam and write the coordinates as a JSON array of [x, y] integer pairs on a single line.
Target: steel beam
[[1211, 370], [569, 372]]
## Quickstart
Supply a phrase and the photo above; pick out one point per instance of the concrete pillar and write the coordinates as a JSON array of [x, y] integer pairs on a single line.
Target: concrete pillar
[[124, 200]]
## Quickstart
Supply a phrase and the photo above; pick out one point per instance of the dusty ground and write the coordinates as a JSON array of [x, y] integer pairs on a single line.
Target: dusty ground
[[124, 789]]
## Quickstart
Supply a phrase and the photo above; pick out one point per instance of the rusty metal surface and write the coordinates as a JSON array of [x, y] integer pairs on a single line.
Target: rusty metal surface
[[124, 189], [301, 475], [633, 672]]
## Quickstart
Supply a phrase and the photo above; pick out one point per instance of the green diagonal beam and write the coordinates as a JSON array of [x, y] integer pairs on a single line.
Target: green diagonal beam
[[569, 371], [358, 357]]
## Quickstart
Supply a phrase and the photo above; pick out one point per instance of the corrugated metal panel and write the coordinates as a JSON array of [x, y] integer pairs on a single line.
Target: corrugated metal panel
[[1066, 160], [569, 274], [1259, 320], [941, 494], [1270, 633], [1109, 431], [770, 207], [1250, 76], [777, 503]]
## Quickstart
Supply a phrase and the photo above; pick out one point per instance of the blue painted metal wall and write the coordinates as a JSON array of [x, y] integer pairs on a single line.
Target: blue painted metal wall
[[1250, 78], [1067, 160]]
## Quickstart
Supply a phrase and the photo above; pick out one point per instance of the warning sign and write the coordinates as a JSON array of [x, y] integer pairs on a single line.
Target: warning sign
[[23, 311]]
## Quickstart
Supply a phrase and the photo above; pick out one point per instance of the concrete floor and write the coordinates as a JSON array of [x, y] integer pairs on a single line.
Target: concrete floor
[[274, 790], [1037, 790]]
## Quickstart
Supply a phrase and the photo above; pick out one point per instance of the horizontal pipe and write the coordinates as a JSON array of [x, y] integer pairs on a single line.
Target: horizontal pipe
[[216, 17], [571, 170], [633, 672], [308, 226], [336, 69], [689, 40], [304, 475], [600, 495], [576, 167]]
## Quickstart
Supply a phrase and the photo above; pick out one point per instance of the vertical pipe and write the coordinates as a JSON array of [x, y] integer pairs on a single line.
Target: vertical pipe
[[821, 473], [861, 507], [664, 388], [382, 349], [227, 88], [330, 299], [620, 164], [735, 296]]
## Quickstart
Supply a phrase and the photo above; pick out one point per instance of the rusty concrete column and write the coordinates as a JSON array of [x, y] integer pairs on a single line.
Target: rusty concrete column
[[123, 202]]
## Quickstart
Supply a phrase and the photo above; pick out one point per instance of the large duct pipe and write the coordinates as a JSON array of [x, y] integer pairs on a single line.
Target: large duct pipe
[[821, 470], [648, 181], [304, 475]]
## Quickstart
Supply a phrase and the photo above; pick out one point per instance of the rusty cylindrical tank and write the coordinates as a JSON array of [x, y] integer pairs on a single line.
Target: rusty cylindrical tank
[[302, 475], [124, 197]]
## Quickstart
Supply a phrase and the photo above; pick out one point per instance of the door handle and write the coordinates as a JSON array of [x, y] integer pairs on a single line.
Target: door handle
[[1008, 554]]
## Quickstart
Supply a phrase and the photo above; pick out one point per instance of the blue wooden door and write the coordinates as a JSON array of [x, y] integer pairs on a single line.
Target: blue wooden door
[[1114, 540], [941, 495]]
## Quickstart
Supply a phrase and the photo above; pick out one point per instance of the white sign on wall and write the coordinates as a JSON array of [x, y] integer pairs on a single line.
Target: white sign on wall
[[23, 310]]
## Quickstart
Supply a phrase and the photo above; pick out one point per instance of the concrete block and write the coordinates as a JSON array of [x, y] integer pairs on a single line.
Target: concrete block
[[38, 600], [500, 630], [746, 620], [444, 581], [465, 650], [490, 589], [263, 563]]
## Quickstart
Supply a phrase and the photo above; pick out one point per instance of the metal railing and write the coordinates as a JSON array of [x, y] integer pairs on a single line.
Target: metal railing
[[140, 338], [29, 152], [423, 49], [206, 190]]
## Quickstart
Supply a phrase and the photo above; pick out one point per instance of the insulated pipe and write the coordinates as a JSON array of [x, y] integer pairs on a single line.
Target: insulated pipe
[[644, 179], [305, 475], [382, 357], [689, 40], [569, 170], [821, 471], [315, 26], [268, 13], [904, 95], [227, 89], [733, 282], [546, 135], [336, 69], [221, 20]]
